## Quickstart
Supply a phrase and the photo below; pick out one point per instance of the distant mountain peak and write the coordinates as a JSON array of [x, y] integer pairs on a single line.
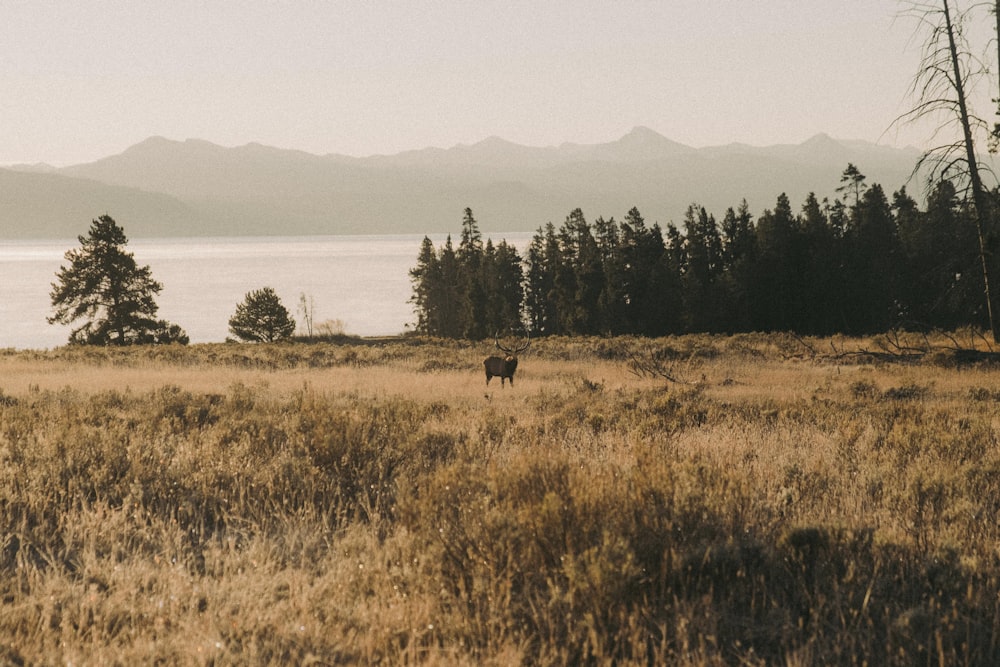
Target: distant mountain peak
[[644, 133], [643, 143], [493, 141], [821, 139], [151, 142], [152, 150], [158, 144]]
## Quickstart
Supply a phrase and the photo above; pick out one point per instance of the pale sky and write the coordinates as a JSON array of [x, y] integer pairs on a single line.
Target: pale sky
[[82, 79]]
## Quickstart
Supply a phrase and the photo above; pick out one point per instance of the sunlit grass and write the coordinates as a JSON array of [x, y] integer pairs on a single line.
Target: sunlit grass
[[360, 503]]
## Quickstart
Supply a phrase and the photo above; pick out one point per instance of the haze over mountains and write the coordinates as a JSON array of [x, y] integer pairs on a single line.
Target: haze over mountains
[[161, 187]]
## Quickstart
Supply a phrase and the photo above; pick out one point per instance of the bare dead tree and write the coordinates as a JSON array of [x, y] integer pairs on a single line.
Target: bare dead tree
[[661, 364], [995, 138], [948, 71], [306, 309]]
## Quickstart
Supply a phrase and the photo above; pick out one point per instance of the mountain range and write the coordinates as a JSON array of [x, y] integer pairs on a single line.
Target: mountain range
[[161, 187]]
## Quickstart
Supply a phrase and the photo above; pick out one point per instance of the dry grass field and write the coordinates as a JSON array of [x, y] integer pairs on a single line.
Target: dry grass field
[[779, 501]]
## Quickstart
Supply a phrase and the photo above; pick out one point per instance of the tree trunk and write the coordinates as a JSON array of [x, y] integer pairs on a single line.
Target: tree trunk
[[978, 194]]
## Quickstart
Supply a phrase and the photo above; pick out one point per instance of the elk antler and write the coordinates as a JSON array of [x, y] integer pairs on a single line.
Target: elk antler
[[496, 338], [515, 351]]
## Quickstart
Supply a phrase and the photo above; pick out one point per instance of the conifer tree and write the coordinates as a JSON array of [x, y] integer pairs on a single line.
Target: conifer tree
[[470, 257], [540, 289], [650, 275], [580, 278], [502, 278], [452, 295], [261, 318], [852, 181], [775, 285], [663, 305], [103, 285], [704, 300], [426, 280], [822, 278], [612, 300], [874, 266], [739, 253]]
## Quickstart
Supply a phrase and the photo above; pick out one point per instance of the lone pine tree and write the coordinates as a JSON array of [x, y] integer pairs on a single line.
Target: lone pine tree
[[261, 318], [103, 286]]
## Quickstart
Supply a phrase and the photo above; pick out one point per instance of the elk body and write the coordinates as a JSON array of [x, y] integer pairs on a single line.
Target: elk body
[[503, 367]]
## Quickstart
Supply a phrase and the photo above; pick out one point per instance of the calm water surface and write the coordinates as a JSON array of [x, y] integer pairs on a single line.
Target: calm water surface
[[363, 281]]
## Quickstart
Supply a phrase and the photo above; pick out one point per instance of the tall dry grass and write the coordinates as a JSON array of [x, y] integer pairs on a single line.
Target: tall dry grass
[[361, 503]]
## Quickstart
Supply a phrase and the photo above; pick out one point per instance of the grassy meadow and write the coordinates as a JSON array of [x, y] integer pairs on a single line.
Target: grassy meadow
[[776, 501]]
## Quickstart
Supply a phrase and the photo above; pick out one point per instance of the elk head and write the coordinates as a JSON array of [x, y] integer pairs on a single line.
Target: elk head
[[503, 367]]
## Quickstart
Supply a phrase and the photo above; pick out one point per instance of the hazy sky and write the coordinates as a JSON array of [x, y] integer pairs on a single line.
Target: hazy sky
[[81, 79]]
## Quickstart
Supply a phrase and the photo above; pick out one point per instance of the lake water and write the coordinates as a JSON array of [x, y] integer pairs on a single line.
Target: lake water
[[363, 281]]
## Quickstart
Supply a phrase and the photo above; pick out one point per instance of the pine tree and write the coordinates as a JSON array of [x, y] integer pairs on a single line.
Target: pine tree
[[649, 275], [452, 297], [822, 280], [426, 280], [261, 318], [563, 259], [579, 277], [739, 243], [852, 181], [475, 298], [663, 312], [704, 301], [509, 289], [104, 286], [540, 303], [739, 254], [775, 285], [873, 264], [502, 280], [470, 247], [611, 302]]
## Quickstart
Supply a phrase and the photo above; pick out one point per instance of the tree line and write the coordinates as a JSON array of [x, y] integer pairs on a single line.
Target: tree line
[[471, 291], [857, 265], [863, 263]]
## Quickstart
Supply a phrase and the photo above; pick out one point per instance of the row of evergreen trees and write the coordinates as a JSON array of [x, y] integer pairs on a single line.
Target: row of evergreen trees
[[471, 292], [858, 265]]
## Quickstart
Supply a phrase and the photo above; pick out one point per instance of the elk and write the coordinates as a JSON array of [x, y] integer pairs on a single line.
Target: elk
[[503, 367]]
